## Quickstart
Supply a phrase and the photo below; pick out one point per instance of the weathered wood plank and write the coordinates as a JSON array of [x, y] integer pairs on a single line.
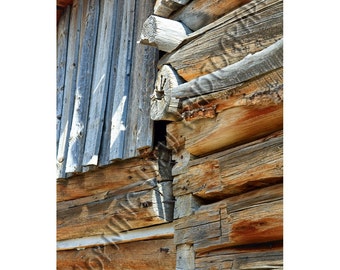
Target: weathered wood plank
[[265, 89], [114, 214], [234, 171], [139, 127], [115, 176], [70, 86], [164, 34], [231, 127], [164, 8], [122, 83], [229, 42], [199, 13], [251, 218], [251, 66], [145, 255], [100, 82], [104, 153], [88, 36], [62, 40]]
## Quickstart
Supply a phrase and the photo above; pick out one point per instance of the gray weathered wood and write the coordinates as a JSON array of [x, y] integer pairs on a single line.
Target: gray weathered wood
[[199, 13], [185, 257], [104, 153], [122, 84], [163, 105], [83, 87], [251, 66], [62, 40], [139, 127], [70, 85], [230, 41], [164, 8], [162, 33], [100, 82]]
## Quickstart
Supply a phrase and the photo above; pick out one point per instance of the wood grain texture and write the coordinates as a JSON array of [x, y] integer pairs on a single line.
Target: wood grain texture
[[231, 127], [115, 176], [62, 41], [264, 61], [139, 126], [115, 214], [228, 42], [122, 83], [234, 171], [145, 255], [199, 13], [251, 218], [100, 82], [264, 89], [70, 86], [104, 153], [164, 34], [88, 37]]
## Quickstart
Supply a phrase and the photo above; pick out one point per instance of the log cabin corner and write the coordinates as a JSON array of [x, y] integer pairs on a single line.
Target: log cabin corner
[[169, 134]]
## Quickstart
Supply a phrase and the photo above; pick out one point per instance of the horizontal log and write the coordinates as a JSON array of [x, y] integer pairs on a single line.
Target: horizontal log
[[199, 13], [270, 258], [162, 33], [265, 89], [251, 66], [115, 214], [251, 218], [164, 8], [148, 255], [231, 127], [116, 176], [234, 171], [228, 42]]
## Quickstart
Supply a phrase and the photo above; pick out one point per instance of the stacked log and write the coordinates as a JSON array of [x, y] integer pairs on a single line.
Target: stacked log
[[220, 90], [210, 196]]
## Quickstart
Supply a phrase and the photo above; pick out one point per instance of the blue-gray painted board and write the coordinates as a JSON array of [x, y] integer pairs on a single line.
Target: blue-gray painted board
[[100, 82], [104, 155], [70, 85], [62, 39], [88, 37], [120, 101], [139, 128]]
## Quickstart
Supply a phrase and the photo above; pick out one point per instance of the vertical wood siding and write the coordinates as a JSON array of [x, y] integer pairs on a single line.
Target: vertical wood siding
[[103, 91]]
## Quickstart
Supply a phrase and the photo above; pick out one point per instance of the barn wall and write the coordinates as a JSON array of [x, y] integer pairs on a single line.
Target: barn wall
[[210, 194]]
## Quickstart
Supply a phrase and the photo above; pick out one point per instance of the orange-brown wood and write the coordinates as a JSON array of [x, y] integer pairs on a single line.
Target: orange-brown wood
[[234, 171], [230, 128], [144, 255], [112, 177], [113, 215], [251, 218]]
